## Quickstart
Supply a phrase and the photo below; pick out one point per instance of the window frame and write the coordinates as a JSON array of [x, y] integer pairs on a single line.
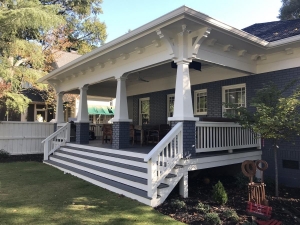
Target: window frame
[[228, 87], [195, 101], [168, 104], [140, 100]]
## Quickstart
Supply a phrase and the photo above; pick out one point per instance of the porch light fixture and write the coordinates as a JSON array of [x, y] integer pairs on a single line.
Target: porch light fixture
[[193, 65]]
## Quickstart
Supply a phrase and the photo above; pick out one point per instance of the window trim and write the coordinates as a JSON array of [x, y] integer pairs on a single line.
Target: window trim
[[140, 100], [232, 87], [168, 103], [195, 101]]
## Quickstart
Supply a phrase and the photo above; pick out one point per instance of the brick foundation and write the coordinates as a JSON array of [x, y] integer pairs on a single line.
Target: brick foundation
[[189, 137], [82, 133], [120, 135]]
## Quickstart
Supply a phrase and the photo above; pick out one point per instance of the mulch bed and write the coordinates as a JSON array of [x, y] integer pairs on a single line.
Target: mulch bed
[[237, 200]]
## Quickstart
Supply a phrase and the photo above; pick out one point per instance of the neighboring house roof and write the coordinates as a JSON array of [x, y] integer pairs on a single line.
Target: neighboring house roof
[[274, 31], [34, 95], [62, 58]]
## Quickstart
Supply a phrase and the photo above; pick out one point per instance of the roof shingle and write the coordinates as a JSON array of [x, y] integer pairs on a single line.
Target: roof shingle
[[274, 31]]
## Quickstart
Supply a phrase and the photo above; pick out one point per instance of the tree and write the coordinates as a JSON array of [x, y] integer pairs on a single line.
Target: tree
[[289, 10], [276, 116], [83, 31], [22, 61]]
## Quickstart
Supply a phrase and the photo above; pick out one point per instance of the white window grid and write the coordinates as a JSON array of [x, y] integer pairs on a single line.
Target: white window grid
[[200, 102]]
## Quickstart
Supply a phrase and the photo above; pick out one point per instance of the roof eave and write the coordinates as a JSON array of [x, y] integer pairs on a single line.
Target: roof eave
[[178, 13]]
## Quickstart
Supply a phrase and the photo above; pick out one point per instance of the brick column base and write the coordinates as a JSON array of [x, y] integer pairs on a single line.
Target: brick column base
[[82, 133], [189, 137], [120, 135]]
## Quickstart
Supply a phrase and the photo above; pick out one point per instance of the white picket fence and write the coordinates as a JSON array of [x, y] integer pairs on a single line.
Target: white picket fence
[[218, 136], [20, 138]]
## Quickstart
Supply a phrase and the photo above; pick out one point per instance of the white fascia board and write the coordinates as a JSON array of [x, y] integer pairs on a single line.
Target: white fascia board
[[284, 41], [175, 15]]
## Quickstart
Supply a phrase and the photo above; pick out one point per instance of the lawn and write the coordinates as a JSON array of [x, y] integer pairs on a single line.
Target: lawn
[[34, 193]]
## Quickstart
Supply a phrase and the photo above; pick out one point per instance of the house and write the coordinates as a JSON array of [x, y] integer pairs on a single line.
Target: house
[[177, 69]]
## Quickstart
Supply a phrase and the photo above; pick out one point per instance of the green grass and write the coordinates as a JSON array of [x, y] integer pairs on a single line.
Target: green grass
[[34, 193]]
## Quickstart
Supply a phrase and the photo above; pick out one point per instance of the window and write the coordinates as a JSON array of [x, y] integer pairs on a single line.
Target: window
[[170, 105], [144, 111], [235, 95], [200, 102]]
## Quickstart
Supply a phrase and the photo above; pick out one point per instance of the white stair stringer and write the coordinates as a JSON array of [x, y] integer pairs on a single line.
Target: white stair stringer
[[171, 182], [121, 173], [108, 187]]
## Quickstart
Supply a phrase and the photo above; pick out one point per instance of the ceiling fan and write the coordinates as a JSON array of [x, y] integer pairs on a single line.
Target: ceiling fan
[[140, 78]]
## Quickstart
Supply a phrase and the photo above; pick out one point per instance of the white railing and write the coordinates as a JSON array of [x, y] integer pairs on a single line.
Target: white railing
[[22, 138], [163, 157], [57, 139], [217, 136]]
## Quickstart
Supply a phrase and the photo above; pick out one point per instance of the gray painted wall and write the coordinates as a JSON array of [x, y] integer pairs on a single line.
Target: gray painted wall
[[287, 151]]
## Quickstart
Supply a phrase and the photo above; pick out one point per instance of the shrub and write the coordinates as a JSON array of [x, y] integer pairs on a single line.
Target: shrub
[[231, 214], [241, 181], [178, 204], [203, 207], [212, 218], [3, 154], [219, 193]]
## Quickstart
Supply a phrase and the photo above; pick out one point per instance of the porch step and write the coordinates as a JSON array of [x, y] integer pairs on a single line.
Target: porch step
[[118, 171], [100, 170], [115, 166], [139, 162], [132, 192]]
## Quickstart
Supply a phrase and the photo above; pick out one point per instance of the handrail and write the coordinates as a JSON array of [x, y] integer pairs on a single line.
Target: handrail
[[163, 158], [56, 140], [170, 135], [54, 134]]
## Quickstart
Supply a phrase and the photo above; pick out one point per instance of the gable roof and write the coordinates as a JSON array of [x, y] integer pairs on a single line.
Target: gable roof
[[62, 58], [274, 31]]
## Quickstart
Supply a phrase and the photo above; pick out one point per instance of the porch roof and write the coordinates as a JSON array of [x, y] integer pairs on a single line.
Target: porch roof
[[182, 13]]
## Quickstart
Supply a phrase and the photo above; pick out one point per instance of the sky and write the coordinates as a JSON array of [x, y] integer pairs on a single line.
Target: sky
[[122, 15]]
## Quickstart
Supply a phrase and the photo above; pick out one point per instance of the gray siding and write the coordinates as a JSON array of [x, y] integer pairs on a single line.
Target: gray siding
[[287, 151]]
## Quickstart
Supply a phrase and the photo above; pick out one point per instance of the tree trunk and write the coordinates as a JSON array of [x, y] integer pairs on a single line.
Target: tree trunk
[[276, 170]]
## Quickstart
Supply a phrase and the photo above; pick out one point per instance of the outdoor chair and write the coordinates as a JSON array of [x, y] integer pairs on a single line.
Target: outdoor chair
[[107, 132], [156, 133]]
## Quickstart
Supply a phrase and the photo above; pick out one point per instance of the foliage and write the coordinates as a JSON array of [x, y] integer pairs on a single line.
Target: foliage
[[178, 204], [4, 154], [275, 116], [231, 214], [83, 30], [204, 208], [241, 181], [34, 193], [212, 218], [289, 10], [219, 193], [23, 24]]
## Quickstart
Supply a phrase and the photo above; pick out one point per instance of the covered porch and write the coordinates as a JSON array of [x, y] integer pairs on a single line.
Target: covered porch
[[157, 75]]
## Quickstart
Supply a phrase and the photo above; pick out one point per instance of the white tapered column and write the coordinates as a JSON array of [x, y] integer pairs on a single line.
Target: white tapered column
[[183, 108], [121, 108], [59, 117], [121, 121], [83, 115]]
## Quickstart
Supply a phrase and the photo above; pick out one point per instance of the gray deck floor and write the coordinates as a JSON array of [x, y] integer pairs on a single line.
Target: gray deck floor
[[138, 148]]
